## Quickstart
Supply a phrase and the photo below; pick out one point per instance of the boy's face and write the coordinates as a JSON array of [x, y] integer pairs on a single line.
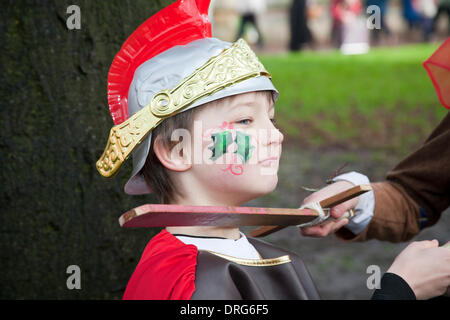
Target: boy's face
[[240, 149]]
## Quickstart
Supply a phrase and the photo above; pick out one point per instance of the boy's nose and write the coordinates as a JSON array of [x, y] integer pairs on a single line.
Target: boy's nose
[[274, 136]]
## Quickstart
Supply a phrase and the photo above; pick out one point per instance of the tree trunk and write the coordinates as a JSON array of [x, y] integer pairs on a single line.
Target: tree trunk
[[57, 210]]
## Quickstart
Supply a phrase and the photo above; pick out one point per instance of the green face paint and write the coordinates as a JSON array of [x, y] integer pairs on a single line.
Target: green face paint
[[221, 142], [223, 139], [244, 149]]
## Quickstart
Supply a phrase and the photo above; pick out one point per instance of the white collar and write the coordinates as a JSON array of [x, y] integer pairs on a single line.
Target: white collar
[[239, 248]]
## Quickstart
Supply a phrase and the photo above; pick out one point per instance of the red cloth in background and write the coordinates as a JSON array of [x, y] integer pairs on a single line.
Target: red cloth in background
[[438, 68], [166, 271]]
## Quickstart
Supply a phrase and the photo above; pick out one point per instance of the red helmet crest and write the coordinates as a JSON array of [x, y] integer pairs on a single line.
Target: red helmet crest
[[178, 24]]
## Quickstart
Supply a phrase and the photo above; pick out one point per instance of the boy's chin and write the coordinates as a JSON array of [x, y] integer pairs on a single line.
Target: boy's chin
[[266, 186], [254, 191]]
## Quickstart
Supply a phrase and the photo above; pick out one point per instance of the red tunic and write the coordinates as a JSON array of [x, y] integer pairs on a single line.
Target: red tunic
[[166, 271]]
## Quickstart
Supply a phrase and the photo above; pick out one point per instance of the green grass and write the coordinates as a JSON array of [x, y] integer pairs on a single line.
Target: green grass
[[326, 97]]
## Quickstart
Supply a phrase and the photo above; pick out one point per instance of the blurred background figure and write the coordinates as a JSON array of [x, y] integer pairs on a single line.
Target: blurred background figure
[[420, 14], [344, 12], [411, 13], [427, 10], [292, 25], [349, 32], [443, 9], [376, 33], [248, 10], [300, 33]]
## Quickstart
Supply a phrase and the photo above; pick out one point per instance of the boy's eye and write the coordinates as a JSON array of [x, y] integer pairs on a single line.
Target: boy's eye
[[244, 121]]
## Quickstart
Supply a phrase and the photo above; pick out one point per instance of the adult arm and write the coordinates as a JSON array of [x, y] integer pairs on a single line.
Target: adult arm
[[413, 196]]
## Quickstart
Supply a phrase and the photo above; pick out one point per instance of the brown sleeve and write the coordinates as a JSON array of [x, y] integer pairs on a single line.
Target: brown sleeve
[[425, 174], [395, 218], [415, 194]]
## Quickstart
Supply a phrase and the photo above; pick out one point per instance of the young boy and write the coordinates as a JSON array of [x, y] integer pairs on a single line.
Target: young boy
[[171, 75]]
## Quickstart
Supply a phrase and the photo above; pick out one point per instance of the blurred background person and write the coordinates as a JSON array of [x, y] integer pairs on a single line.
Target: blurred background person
[[443, 9], [249, 10], [344, 13], [300, 33], [376, 33], [411, 13], [427, 11], [420, 14]]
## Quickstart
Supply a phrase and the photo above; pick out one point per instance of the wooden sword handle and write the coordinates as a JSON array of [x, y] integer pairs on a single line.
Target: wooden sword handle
[[326, 203]]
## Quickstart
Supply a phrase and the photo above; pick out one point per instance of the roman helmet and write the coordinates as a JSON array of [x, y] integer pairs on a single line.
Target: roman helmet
[[171, 64]]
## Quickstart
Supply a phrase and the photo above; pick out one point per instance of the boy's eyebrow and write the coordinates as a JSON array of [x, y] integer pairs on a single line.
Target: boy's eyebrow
[[248, 104], [241, 104]]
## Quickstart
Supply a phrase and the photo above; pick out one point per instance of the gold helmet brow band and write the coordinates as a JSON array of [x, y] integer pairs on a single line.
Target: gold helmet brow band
[[234, 64]]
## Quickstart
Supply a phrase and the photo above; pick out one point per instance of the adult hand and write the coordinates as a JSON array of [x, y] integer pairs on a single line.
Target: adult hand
[[330, 226], [425, 267]]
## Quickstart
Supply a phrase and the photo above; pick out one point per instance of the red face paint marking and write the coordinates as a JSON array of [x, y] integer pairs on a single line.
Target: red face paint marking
[[238, 166], [226, 125]]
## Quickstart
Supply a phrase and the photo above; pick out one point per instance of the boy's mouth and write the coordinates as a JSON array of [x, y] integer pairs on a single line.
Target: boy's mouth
[[269, 161]]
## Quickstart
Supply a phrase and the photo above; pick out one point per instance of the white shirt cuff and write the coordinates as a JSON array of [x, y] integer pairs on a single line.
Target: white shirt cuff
[[366, 203]]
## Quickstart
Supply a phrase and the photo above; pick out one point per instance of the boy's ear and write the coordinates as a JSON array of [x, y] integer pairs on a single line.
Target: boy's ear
[[176, 158]]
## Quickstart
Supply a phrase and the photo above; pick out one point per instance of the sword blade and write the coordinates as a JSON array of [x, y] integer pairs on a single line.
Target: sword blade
[[159, 215], [271, 219]]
